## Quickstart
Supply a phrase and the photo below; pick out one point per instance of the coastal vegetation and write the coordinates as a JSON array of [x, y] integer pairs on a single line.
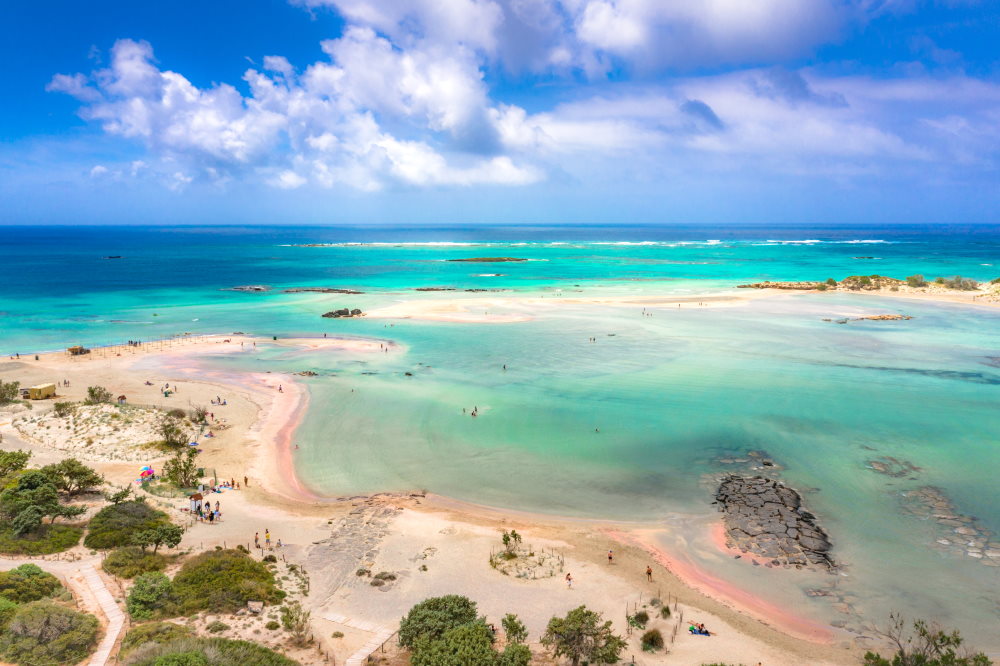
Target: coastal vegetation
[[583, 636], [29, 497], [97, 395], [42, 633], [924, 645], [447, 631], [205, 652], [9, 392], [132, 561], [117, 525], [153, 632], [871, 283]]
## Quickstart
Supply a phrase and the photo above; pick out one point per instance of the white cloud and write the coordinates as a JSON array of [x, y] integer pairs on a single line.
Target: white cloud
[[98, 170]]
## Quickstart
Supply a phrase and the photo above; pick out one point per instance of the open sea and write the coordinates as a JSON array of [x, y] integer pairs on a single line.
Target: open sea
[[636, 426]]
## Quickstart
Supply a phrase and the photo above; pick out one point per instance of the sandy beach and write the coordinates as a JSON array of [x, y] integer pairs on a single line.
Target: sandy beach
[[255, 439]]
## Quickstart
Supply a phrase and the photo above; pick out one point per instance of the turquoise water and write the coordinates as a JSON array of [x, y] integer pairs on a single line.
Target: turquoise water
[[631, 426]]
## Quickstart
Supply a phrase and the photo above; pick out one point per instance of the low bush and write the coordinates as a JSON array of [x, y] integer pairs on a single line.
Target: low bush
[[652, 641], [114, 526], [97, 395], [45, 540], [205, 652], [64, 409], [223, 581], [272, 625], [216, 627], [177, 413], [43, 633], [961, 283], [916, 281], [665, 612], [153, 632], [28, 583], [642, 618], [130, 562], [151, 596]]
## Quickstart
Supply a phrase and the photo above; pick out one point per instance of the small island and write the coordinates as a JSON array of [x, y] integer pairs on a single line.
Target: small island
[[344, 312]]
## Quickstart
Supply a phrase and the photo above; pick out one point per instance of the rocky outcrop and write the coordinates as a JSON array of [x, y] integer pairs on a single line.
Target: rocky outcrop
[[320, 290], [250, 287], [884, 317], [436, 289], [344, 312], [766, 519], [802, 286], [489, 259]]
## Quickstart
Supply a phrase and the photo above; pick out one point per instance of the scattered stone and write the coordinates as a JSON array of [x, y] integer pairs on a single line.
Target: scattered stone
[[894, 467], [884, 317], [957, 534], [766, 518]]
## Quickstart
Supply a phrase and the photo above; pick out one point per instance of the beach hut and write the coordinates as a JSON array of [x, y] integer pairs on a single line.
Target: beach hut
[[77, 350], [42, 391], [196, 500]]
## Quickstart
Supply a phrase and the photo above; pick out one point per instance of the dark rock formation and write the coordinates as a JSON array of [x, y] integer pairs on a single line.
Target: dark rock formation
[[435, 289], [321, 290], [249, 287], [765, 518], [344, 312], [489, 259]]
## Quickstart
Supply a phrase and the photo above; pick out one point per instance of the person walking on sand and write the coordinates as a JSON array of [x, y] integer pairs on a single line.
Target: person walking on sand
[[649, 573], [611, 557], [267, 539], [256, 540], [246, 482], [569, 581]]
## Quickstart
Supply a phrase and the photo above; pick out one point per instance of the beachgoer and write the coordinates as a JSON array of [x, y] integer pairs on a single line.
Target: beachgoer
[[279, 543], [649, 573], [611, 557], [216, 505], [267, 538], [256, 540], [211, 516], [569, 581], [280, 390], [246, 482]]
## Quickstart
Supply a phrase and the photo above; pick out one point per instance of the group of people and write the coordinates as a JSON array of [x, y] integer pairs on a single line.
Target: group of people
[[218, 401], [267, 540], [205, 513], [699, 630]]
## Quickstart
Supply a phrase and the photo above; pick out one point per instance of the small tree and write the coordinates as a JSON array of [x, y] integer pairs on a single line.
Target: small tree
[[173, 435], [168, 535], [181, 469], [119, 495], [515, 654], [469, 644], [514, 629], [831, 282], [151, 594], [926, 646], [13, 461], [916, 281], [582, 635], [432, 617], [8, 392], [97, 395], [295, 620], [199, 414], [72, 477]]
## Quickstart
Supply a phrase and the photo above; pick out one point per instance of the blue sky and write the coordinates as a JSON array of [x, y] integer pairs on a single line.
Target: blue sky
[[521, 111]]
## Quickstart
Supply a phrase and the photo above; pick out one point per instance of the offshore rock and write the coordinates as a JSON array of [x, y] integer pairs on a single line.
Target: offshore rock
[[765, 518]]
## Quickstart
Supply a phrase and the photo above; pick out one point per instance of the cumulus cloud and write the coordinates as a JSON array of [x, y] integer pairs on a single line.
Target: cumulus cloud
[[330, 117]]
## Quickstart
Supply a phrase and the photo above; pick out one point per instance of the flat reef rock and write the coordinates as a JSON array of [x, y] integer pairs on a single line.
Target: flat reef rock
[[489, 259], [343, 312], [765, 518], [320, 290]]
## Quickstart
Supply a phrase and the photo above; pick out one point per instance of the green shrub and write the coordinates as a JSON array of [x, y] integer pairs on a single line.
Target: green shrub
[[153, 632], [206, 652], [223, 581], [385, 575], [46, 540], [652, 641], [130, 562], [470, 643], [7, 610], [45, 634], [270, 559], [831, 282], [961, 283], [97, 395], [820, 286], [151, 596], [916, 281], [641, 618], [433, 617], [114, 526], [28, 583], [72, 477], [272, 625], [8, 392], [177, 413], [665, 612], [336, 634], [216, 627], [64, 409]]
